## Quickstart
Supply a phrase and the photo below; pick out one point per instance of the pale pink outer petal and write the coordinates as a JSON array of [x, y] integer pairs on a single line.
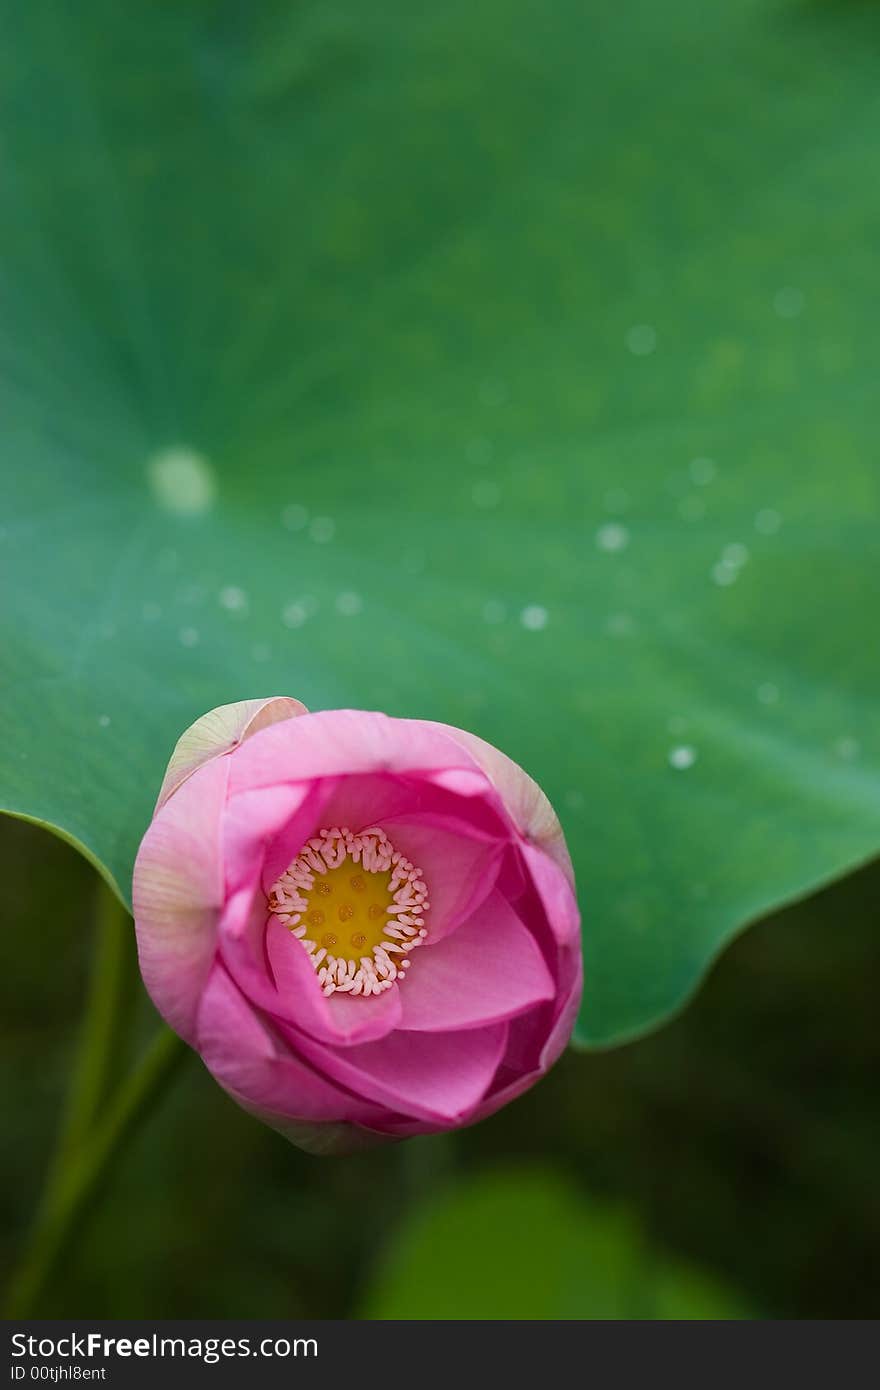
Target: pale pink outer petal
[[488, 971], [240, 1051], [439, 1078], [524, 799], [320, 1138], [178, 893], [221, 730]]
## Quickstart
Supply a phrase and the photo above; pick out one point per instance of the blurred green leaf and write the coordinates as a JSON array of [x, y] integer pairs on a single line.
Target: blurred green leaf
[[508, 365], [523, 1243]]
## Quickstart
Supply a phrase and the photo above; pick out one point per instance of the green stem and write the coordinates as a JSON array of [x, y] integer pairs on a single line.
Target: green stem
[[71, 1186], [93, 1129], [99, 1038]]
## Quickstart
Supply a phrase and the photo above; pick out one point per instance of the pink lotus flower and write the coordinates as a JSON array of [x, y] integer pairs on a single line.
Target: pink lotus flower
[[366, 926]]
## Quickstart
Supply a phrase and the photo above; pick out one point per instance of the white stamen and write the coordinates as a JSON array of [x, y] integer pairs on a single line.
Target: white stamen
[[402, 930]]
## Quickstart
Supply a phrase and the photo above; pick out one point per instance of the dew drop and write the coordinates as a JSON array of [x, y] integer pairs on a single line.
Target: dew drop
[[233, 599], [725, 575], [485, 493], [682, 757], [734, 555], [847, 748], [294, 614], [789, 302], [104, 721], [768, 521], [641, 339], [322, 529], [767, 693], [612, 537], [183, 481], [703, 471], [534, 617], [349, 604], [294, 517], [189, 636], [620, 625]]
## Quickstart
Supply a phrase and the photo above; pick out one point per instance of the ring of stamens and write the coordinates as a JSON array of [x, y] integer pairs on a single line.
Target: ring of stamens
[[356, 906]]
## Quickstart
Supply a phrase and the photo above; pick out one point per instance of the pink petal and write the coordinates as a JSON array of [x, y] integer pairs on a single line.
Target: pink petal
[[487, 971], [286, 843], [178, 894], [438, 1077], [221, 730], [359, 801], [524, 799], [337, 1020], [274, 971], [548, 904], [258, 1069], [459, 867], [556, 892], [536, 1040], [276, 819], [343, 742], [570, 990], [463, 781]]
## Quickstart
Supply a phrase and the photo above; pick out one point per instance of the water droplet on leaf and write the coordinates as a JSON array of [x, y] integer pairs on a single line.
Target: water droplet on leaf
[[612, 537], [534, 617], [182, 481], [682, 757]]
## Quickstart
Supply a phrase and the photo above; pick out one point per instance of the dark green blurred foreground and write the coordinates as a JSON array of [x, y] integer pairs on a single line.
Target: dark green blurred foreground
[[724, 1167]]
